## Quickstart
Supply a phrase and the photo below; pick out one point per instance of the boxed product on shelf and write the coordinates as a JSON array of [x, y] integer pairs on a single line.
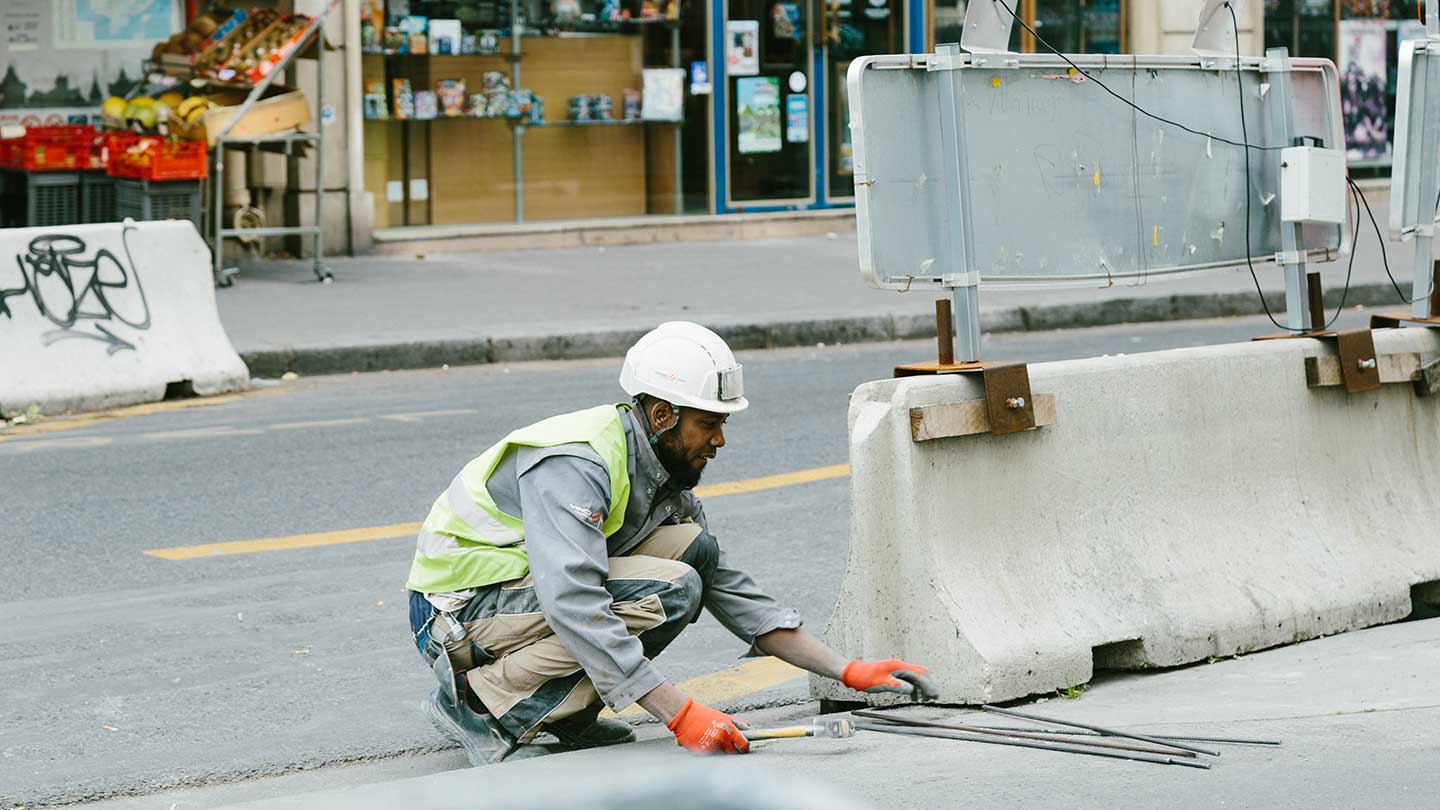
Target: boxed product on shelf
[[450, 93], [395, 41], [445, 37], [376, 106], [403, 98], [414, 28], [426, 107], [280, 109]]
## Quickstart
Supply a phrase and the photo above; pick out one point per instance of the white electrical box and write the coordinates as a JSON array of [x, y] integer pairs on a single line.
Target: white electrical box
[[1312, 185]]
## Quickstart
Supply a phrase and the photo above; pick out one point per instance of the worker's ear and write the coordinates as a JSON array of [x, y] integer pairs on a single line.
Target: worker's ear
[[662, 415]]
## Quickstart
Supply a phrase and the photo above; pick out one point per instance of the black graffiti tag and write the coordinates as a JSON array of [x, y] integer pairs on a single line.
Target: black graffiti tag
[[69, 289]]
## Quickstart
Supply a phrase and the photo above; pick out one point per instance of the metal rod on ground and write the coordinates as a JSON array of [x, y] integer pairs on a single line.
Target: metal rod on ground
[[887, 710], [1108, 732], [1020, 743], [1094, 741]]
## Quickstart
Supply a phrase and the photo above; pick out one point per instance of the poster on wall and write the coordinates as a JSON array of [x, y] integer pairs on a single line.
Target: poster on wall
[[757, 108], [742, 47], [1363, 45], [113, 23], [60, 59], [797, 119]]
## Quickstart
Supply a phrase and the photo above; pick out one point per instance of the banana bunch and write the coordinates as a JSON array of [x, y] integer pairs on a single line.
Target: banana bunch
[[192, 108]]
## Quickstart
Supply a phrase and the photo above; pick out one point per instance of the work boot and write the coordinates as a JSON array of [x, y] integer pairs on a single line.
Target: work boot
[[588, 730], [484, 741]]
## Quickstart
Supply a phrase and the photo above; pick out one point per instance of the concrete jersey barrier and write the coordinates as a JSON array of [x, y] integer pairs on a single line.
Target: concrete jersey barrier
[[1186, 504], [93, 316]]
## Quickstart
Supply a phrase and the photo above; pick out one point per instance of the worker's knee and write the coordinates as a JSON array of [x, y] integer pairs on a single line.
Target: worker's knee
[[687, 594], [703, 555]]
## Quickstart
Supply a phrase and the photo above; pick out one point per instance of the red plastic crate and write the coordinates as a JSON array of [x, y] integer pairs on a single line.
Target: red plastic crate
[[155, 158], [63, 147], [107, 144]]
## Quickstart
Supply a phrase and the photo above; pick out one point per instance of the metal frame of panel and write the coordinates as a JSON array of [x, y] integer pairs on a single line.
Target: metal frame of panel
[[1415, 177], [1316, 111]]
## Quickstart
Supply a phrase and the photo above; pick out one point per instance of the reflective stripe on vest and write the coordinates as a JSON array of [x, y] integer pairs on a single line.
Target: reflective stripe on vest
[[467, 541]]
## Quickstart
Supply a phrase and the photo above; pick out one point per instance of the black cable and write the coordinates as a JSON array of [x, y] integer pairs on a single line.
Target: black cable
[[1245, 134], [1128, 102], [1381, 240]]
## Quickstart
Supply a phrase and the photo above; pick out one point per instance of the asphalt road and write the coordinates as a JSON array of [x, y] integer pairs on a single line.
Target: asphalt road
[[121, 672]]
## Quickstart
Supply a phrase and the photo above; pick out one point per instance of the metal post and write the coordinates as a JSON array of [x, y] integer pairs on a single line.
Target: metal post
[[217, 212], [1421, 274], [1317, 302], [319, 244], [1292, 257], [517, 131], [958, 269], [676, 129], [944, 333]]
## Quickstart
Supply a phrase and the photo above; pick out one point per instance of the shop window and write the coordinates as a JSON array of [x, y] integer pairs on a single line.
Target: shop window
[[1072, 26], [1363, 38], [591, 99]]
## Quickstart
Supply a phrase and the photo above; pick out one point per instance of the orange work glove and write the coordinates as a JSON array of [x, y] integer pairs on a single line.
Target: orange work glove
[[890, 675], [703, 730]]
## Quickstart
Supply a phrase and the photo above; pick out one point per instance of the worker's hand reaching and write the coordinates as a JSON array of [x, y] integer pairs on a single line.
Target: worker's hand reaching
[[890, 675], [703, 730]]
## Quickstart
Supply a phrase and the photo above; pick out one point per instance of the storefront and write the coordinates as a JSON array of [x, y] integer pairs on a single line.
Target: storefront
[[611, 108], [1363, 38]]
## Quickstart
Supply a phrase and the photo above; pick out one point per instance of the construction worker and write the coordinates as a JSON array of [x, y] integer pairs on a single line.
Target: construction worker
[[567, 556]]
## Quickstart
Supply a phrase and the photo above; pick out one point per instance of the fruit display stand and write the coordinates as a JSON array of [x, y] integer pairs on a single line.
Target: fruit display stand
[[291, 144]]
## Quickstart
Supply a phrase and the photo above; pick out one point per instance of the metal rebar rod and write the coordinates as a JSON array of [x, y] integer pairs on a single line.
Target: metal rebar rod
[[1021, 743], [1079, 733], [1091, 740], [1108, 732]]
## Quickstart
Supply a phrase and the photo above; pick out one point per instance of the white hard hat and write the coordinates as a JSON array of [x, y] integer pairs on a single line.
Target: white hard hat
[[686, 365]]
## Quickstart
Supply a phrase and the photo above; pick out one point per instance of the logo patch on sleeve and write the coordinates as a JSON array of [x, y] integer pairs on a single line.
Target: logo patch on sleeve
[[585, 513]]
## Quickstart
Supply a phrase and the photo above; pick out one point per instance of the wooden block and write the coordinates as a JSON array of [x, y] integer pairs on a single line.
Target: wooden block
[[1394, 368], [967, 418], [1427, 382]]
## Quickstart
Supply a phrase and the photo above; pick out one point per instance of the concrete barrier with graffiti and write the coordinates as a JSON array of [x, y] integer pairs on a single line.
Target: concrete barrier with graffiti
[[94, 316]]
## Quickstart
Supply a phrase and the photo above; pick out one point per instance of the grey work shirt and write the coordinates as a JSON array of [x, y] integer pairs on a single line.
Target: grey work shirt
[[554, 490]]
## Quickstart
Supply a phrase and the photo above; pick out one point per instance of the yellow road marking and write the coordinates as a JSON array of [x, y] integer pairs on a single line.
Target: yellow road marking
[[416, 417], [789, 479], [63, 441], [281, 543], [729, 684], [204, 433], [358, 420], [59, 423], [409, 529]]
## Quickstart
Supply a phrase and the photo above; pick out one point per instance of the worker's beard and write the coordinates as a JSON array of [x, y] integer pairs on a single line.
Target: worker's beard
[[673, 458]]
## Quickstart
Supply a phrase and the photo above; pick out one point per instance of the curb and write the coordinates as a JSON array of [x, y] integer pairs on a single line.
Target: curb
[[777, 334]]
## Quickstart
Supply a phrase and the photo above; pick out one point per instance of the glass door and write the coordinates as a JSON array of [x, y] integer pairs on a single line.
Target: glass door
[[767, 65], [852, 28]]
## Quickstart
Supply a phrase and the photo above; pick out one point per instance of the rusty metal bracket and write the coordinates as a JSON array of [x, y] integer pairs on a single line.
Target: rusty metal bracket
[[1359, 367], [1009, 406]]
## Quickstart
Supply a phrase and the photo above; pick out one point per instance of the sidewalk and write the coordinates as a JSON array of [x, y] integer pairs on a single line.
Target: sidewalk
[[391, 312], [1357, 715]]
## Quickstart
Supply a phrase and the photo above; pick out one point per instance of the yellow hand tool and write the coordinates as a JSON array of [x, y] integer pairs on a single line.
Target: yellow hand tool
[[820, 727]]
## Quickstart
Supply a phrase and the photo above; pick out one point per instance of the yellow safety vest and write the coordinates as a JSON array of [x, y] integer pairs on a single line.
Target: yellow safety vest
[[467, 542]]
